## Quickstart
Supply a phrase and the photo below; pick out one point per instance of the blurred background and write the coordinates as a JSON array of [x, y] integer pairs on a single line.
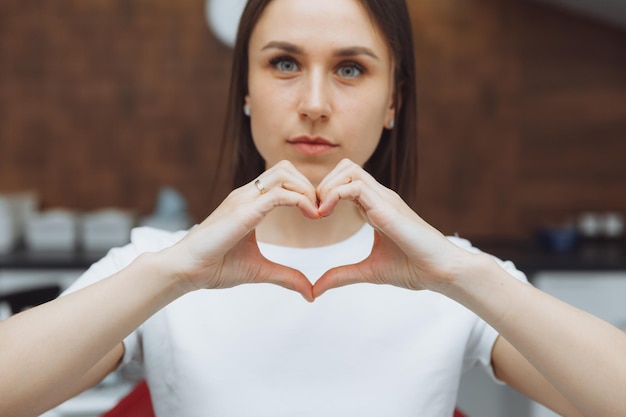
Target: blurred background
[[522, 108], [111, 115]]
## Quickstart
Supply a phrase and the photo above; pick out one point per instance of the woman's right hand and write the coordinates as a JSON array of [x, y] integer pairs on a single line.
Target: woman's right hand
[[80, 349], [222, 251]]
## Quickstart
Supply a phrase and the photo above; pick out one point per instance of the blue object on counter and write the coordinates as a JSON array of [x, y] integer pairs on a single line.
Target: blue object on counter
[[558, 239], [170, 212]]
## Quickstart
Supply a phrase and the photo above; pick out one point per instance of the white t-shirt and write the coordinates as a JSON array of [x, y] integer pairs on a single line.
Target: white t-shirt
[[261, 350]]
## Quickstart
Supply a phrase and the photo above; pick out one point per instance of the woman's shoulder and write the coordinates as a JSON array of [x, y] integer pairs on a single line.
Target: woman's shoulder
[[150, 239], [142, 239]]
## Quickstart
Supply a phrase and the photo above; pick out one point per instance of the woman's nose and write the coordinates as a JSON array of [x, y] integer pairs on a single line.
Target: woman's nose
[[315, 103]]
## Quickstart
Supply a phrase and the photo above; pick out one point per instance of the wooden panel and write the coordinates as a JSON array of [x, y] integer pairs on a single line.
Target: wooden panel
[[103, 102], [522, 116], [522, 108]]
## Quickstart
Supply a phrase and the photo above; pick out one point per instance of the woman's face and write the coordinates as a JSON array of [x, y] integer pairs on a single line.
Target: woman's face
[[320, 84]]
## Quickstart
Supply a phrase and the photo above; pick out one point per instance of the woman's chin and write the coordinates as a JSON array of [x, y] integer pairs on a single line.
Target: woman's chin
[[315, 172]]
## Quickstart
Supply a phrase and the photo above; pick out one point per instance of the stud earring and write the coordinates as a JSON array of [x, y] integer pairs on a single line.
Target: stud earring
[[392, 124], [246, 110]]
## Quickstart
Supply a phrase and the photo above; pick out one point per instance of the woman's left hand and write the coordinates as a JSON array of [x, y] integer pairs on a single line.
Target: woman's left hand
[[407, 251]]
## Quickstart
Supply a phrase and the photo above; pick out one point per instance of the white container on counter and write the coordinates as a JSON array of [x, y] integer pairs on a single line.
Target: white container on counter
[[15, 208], [7, 226], [105, 229], [51, 230]]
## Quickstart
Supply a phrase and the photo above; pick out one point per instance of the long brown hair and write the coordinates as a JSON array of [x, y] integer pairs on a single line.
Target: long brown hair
[[394, 162]]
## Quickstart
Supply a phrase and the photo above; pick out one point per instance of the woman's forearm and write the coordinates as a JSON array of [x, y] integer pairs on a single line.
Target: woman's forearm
[[47, 350], [583, 356]]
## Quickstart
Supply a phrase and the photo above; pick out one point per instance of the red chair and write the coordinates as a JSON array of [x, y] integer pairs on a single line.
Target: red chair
[[136, 404], [458, 413]]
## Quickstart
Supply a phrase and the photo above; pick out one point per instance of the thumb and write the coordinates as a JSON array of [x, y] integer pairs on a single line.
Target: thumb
[[286, 277], [342, 276]]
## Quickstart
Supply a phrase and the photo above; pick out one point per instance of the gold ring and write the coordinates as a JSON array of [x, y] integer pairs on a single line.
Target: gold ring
[[259, 185]]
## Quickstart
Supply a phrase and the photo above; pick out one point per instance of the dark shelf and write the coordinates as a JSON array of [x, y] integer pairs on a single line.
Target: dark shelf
[[23, 259], [531, 257], [528, 255]]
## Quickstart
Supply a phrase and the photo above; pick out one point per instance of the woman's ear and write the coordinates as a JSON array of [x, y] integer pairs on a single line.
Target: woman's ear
[[395, 102], [390, 120], [246, 106], [390, 116]]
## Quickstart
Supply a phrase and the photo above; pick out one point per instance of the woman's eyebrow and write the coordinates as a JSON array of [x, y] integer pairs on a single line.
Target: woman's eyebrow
[[355, 51], [350, 51], [285, 46]]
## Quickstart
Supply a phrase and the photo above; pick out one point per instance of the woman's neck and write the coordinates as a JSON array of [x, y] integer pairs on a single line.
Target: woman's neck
[[286, 226]]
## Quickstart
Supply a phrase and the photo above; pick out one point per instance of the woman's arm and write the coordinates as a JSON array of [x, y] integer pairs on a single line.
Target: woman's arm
[[512, 368], [51, 352], [582, 356]]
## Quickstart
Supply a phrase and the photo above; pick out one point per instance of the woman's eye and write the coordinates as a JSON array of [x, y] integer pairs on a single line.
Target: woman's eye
[[350, 71], [284, 64]]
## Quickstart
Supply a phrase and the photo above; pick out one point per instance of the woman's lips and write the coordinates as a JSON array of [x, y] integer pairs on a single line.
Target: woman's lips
[[311, 146]]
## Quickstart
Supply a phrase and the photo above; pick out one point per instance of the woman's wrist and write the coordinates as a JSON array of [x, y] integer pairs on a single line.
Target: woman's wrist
[[470, 276], [483, 286], [161, 273]]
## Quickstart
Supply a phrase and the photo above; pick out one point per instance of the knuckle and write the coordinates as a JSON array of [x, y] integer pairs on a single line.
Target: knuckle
[[345, 162], [284, 165]]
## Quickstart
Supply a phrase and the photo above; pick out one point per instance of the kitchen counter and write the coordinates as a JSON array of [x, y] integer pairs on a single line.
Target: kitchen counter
[[531, 257], [528, 255], [49, 260]]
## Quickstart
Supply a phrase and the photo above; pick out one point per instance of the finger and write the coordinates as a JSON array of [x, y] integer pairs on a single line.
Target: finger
[[364, 195], [329, 200], [245, 207], [285, 175], [339, 171], [348, 181], [281, 197]]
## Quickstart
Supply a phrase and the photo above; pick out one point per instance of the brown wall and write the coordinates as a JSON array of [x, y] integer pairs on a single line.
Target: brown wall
[[104, 101], [522, 108]]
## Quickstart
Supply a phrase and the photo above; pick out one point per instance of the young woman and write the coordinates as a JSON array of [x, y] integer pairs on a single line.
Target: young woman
[[322, 114]]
